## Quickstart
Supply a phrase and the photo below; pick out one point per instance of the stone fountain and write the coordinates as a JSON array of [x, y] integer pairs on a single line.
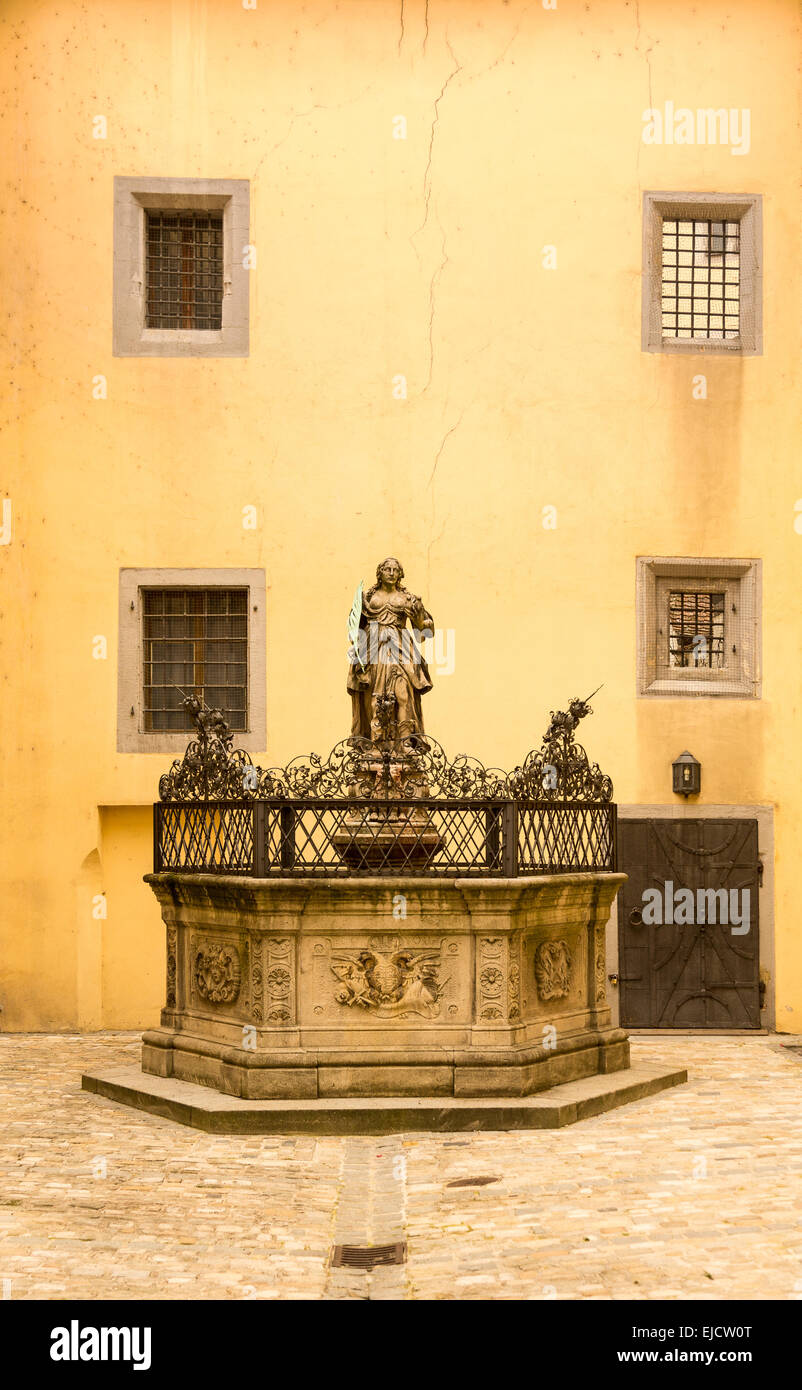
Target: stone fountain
[[384, 940]]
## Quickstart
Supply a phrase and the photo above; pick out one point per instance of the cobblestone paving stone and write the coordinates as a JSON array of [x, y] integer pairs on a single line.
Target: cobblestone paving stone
[[695, 1193]]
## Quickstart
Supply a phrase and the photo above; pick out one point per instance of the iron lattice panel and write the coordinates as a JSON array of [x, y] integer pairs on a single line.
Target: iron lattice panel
[[701, 278], [184, 270], [335, 838], [566, 837], [204, 837], [696, 629], [359, 837], [196, 638]]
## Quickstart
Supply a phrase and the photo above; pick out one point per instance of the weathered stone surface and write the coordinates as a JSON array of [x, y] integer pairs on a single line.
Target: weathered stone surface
[[225, 1114], [293, 988]]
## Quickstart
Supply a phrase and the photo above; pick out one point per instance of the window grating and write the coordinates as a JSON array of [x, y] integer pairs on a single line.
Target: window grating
[[696, 629], [195, 639], [701, 279], [184, 270]]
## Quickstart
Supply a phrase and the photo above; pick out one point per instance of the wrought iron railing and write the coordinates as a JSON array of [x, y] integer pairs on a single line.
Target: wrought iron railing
[[371, 808], [441, 838]]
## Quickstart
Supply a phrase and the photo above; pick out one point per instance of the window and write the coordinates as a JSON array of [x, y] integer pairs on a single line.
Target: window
[[194, 642], [695, 629], [190, 632], [698, 627], [701, 273], [184, 270], [701, 270], [181, 286]]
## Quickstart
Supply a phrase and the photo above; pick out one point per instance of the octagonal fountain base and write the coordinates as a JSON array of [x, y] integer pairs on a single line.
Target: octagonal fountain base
[[366, 1004]]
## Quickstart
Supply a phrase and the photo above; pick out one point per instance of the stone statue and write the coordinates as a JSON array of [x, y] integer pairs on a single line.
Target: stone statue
[[387, 674]]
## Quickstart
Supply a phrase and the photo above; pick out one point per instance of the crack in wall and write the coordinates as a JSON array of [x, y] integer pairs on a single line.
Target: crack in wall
[[427, 177], [649, 72], [502, 55], [443, 442], [300, 115], [432, 283]]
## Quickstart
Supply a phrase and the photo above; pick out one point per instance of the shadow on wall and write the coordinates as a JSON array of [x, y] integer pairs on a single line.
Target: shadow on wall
[[705, 440]]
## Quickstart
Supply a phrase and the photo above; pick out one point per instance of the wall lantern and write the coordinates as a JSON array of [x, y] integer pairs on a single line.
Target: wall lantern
[[687, 775]]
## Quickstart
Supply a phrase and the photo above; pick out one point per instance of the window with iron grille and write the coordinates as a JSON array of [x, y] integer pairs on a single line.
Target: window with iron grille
[[181, 272], [702, 273], [184, 270], [698, 627], [195, 642], [701, 278]]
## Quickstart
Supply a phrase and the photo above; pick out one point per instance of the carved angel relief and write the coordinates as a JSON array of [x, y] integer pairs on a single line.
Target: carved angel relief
[[392, 983]]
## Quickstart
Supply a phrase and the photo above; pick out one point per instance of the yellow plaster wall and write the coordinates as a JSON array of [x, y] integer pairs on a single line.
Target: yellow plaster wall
[[527, 387]]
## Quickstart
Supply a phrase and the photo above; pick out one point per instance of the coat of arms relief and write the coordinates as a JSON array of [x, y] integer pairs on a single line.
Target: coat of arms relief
[[390, 982]]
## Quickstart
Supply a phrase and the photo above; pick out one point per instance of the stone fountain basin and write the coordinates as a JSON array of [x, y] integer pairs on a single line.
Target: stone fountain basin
[[292, 987]]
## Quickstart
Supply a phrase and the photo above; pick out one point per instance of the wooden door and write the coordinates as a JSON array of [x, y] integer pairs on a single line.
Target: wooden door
[[697, 974]]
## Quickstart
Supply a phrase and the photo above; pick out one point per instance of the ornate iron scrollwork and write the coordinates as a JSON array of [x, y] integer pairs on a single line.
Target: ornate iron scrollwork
[[408, 767], [560, 769]]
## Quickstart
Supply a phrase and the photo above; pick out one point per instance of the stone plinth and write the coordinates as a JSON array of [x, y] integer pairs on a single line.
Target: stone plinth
[[289, 988]]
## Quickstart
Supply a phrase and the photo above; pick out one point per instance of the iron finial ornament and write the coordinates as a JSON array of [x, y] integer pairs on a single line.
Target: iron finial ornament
[[358, 768]]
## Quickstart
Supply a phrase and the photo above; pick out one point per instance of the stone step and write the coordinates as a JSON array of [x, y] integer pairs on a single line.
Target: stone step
[[206, 1109]]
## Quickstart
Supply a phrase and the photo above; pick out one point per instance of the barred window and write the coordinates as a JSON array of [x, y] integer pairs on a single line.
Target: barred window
[[698, 621], [195, 642], [702, 283], [696, 629], [701, 279], [184, 270]]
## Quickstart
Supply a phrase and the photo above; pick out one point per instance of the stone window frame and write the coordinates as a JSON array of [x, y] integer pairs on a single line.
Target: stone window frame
[[131, 198], [745, 208], [131, 734], [739, 577]]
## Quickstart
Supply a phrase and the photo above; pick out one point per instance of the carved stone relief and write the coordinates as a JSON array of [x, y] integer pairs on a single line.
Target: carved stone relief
[[491, 978], [391, 982], [514, 992], [601, 969], [279, 980], [172, 946], [217, 973], [553, 970], [257, 981]]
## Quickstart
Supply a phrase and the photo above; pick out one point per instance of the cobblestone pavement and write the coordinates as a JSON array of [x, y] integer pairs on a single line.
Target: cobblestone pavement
[[694, 1193]]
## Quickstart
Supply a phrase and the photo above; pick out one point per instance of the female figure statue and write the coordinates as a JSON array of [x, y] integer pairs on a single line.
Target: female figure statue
[[387, 674]]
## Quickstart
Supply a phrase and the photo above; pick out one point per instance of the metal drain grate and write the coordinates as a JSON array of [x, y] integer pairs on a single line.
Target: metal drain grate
[[471, 1182], [368, 1256]]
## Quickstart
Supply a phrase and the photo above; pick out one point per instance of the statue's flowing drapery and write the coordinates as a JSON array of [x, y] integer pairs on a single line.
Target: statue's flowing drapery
[[393, 662]]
